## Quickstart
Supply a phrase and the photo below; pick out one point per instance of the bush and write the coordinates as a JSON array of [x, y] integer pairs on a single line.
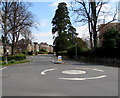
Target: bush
[[50, 53], [16, 57], [24, 52], [72, 51], [4, 62], [41, 52], [27, 52], [106, 52], [62, 53], [100, 52], [12, 61], [30, 53]]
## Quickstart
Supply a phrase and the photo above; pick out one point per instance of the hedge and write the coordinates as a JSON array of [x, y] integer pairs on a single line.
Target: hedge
[[16, 57], [41, 52], [62, 53]]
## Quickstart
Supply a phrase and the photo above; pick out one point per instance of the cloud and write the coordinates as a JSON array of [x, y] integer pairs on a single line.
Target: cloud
[[43, 34], [107, 13], [36, 24], [43, 37], [44, 23], [55, 4], [82, 31]]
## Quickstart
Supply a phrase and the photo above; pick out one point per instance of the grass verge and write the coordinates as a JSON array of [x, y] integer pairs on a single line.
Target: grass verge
[[16, 62]]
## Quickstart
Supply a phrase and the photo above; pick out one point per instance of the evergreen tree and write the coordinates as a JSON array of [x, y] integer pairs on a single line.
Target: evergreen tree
[[63, 28], [111, 39]]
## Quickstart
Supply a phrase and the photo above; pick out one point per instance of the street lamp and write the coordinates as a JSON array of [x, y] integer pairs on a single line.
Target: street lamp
[[76, 50]]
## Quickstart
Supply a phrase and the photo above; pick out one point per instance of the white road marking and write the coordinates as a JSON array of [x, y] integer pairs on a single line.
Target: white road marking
[[97, 77], [75, 72], [3, 68], [99, 70], [44, 72], [92, 69], [103, 76], [53, 61]]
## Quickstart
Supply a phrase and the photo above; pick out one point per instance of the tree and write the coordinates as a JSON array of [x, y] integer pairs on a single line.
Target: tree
[[81, 43], [72, 34], [88, 12], [27, 35], [61, 20], [19, 18], [3, 40], [62, 28], [111, 39], [61, 43], [78, 48], [4, 21]]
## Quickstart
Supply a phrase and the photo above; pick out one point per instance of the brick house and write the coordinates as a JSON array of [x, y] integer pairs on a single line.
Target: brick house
[[103, 28]]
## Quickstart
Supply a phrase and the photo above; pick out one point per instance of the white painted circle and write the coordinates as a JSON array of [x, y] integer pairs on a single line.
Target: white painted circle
[[78, 71], [74, 72]]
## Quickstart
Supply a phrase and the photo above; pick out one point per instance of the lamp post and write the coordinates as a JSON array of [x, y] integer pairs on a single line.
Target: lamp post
[[76, 50]]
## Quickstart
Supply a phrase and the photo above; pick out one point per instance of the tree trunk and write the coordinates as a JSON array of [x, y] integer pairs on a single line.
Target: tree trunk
[[13, 44], [95, 38], [90, 33], [5, 30], [94, 22]]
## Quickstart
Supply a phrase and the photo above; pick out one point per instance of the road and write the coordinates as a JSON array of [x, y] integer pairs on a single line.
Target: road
[[42, 77]]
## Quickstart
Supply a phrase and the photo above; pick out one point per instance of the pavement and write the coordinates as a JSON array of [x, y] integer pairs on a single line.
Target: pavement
[[42, 77]]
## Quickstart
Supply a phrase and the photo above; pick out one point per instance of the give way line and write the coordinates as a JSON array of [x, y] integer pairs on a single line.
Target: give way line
[[3, 68]]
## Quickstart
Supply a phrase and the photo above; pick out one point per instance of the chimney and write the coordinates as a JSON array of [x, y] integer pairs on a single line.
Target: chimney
[[119, 11]]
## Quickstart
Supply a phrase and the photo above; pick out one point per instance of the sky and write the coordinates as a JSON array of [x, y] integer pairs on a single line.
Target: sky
[[43, 14]]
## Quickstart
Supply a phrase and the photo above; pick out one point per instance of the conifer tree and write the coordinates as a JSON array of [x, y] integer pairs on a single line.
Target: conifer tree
[[63, 28]]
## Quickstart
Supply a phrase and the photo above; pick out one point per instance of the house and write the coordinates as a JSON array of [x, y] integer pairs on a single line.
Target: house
[[21, 45], [30, 47], [8, 49], [45, 47], [103, 28], [51, 48], [36, 47], [25, 45]]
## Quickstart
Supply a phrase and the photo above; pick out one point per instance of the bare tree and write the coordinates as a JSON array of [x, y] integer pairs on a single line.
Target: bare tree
[[4, 22], [27, 35], [19, 18], [89, 12]]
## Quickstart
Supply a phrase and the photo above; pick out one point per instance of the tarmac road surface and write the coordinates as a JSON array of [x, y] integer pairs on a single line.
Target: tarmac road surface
[[44, 78]]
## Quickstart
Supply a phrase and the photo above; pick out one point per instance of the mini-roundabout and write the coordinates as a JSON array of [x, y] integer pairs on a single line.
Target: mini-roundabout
[[77, 74]]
